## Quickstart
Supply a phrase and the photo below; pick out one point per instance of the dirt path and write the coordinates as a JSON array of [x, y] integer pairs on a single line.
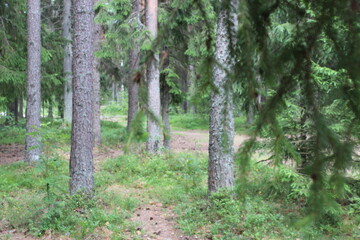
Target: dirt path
[[197, 140], [154, 221]]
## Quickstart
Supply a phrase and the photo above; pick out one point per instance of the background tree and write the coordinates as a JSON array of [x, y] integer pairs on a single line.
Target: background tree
[[33, 83], [67, 61], [97, 45], [82, 137], [135, 72]]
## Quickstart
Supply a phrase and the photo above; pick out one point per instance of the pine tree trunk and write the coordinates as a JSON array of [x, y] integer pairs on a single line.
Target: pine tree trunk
[[21, 105], [133, 87], [165, 103], [250, 114], [67, 61], [13, 112], [221, 146], [82, 138], [97, 123], [50, 110], [134, 80], [33, 82], [153, 143], [191, 76]]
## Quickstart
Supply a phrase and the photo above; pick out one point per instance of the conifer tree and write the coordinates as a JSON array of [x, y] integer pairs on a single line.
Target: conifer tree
[[153, 143], [33, 82], [221, 145], [67, 61], [82, 137]]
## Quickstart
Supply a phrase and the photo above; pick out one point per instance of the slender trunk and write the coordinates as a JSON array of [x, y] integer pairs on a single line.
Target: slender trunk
[[133, 87], [113, 91], [50, 112], [82, 137], [33, 83], [21, 106], [97, 123], [191, 75], [67, 61], [221, 146], [12, 112], [165, 103], [134, 80], [153, 143], [250, 114]]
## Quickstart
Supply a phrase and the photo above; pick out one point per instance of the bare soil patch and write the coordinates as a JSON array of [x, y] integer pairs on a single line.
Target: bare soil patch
[[156, 222], [197, 140], [10, 153]]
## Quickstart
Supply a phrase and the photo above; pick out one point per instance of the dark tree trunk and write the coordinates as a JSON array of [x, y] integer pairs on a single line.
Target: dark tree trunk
[[97, 123], [12, 112], [82, 137], [33, 83], [134, 80], [21, 106], [153, 143], [50, 113], [221, 145], [67, 61]]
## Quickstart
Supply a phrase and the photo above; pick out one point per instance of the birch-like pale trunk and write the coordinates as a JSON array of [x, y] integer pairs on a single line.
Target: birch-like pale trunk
[[221, 142], [33, 82], [82, 138], [154, 141], [67, 61]]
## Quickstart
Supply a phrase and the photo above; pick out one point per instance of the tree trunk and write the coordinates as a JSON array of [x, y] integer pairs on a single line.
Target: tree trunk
[[221, 145], [67, 61], [33, 83], [12, 112], [134, 80], [250, 114], [192, 77], [153, 143], [82, 138], [21, 105], [165, 102], [97, 123], [50, 110]]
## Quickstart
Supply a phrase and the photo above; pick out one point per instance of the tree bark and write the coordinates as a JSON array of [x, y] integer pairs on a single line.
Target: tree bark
[[21, 105], [82, 138], [67, 61], [250, 114], [33, 83], [165, 102], [221, 142], [12, 112], [191, 92], [97, 123], [153, 143], [133, 87]]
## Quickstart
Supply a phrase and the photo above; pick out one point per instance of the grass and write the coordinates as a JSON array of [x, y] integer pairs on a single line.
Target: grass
[[271, 208], [271, 202], [35, 199]]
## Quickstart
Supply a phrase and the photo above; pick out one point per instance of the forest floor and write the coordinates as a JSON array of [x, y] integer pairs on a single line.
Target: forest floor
[[154, 220]]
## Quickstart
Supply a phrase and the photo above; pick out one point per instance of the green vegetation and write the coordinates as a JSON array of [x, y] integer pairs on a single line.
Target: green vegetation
[[272, 203]]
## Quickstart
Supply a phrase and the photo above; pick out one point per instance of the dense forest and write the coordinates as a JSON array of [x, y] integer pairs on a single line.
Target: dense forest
[[192, 119]]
